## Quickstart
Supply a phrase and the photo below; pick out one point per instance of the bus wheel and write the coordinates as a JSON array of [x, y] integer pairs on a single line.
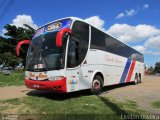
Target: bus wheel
[[139, 78], [136, 81], [97, 85]]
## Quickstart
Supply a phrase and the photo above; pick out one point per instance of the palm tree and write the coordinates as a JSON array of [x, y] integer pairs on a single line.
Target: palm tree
[[8, 44]]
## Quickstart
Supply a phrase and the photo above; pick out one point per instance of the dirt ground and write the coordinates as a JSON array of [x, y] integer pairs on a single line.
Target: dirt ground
[[144, 93], [13, 92]]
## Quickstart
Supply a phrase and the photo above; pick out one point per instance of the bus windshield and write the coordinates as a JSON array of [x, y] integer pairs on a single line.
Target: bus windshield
[[43, 54]]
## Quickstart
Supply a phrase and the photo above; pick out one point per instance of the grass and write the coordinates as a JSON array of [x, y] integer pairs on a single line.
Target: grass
[[71, 106], [14, 101], [156, 104], [3, 108], [14, 79]]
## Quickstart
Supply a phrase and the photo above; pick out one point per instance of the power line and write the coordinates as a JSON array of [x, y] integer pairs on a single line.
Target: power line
[[6, 8], [2, 3]]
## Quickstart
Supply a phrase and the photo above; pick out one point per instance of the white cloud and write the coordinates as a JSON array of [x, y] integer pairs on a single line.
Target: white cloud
[[153, 42], [145, 50], [96, 21], [120, 15], [19, 21], [131, 12], [145, 6], [3, 31], [151, 46], [155, 53], [140, 48], [128, 33], [126, 13], [24, 19]]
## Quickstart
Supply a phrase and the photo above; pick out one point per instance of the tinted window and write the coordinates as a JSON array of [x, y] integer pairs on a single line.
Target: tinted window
[[72, 54], [81, 36], [102, 41], [97, 39]]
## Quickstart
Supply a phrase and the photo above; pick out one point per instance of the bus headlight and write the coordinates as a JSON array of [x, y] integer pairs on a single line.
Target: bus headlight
[[56, 78]]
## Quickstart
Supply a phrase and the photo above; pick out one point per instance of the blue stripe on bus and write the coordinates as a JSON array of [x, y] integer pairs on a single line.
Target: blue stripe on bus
[[125, 71]]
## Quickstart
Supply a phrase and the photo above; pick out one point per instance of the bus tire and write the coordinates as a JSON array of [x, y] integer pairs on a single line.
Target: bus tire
[[139, 78], [136, 79], [97, 85]]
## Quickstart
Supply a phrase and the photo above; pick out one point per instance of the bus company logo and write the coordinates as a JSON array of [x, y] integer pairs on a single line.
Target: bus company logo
[[53, 26], [73, 82], [113, 59]]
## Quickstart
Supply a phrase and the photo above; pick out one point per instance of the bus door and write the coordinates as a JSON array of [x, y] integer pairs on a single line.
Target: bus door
[[77, 51], [73, 66]]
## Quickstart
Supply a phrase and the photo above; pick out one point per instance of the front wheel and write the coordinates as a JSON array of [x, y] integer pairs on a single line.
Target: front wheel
[[97, 85]]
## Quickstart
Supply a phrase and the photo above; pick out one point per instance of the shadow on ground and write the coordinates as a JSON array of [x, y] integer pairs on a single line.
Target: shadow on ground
[[107, 89], [64, 96], [58, 96]]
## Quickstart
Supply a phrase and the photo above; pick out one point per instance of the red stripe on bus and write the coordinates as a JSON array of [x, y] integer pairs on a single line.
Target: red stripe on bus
[[130, 71]]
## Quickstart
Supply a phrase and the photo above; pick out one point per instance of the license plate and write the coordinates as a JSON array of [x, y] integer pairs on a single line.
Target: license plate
[[36, 86]]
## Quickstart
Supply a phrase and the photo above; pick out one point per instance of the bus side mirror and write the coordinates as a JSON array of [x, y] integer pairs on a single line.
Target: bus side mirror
[[19, 45], [60, 36]]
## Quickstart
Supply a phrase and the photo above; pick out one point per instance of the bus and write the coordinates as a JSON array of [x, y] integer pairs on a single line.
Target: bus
[[69, 55]]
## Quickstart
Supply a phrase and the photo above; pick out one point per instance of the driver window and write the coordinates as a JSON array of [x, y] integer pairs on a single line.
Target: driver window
[[72, 54]]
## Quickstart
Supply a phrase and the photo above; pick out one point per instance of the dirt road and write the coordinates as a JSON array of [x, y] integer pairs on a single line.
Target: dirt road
[[13, 92], [144, 93]]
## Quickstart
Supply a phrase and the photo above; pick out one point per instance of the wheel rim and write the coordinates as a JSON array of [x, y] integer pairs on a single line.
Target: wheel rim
[[96, 85]]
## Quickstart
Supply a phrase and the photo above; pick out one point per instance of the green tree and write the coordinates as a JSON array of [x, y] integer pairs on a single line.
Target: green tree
[[151, 70], [8, 44], [19, 33], [157, 67], [9, 59]]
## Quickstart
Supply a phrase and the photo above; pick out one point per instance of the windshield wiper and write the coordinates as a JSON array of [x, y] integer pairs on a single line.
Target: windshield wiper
[[44, 59], [33, 56]]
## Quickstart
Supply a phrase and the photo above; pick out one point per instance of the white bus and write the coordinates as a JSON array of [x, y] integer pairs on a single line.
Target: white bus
[[69, 55]]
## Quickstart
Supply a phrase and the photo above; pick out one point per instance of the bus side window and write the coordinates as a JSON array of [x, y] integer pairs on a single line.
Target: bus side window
[[73, 54]]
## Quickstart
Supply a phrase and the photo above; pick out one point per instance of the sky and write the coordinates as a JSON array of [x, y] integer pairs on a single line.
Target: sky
[[134, 22]]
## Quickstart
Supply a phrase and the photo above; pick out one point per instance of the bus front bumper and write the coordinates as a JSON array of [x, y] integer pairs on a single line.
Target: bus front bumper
[[55, 86]]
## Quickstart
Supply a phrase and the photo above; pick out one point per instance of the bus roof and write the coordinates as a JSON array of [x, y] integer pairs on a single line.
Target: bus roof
[[76, 18]]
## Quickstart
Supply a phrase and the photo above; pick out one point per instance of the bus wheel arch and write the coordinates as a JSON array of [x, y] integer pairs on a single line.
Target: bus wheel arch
[[97, 83]]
